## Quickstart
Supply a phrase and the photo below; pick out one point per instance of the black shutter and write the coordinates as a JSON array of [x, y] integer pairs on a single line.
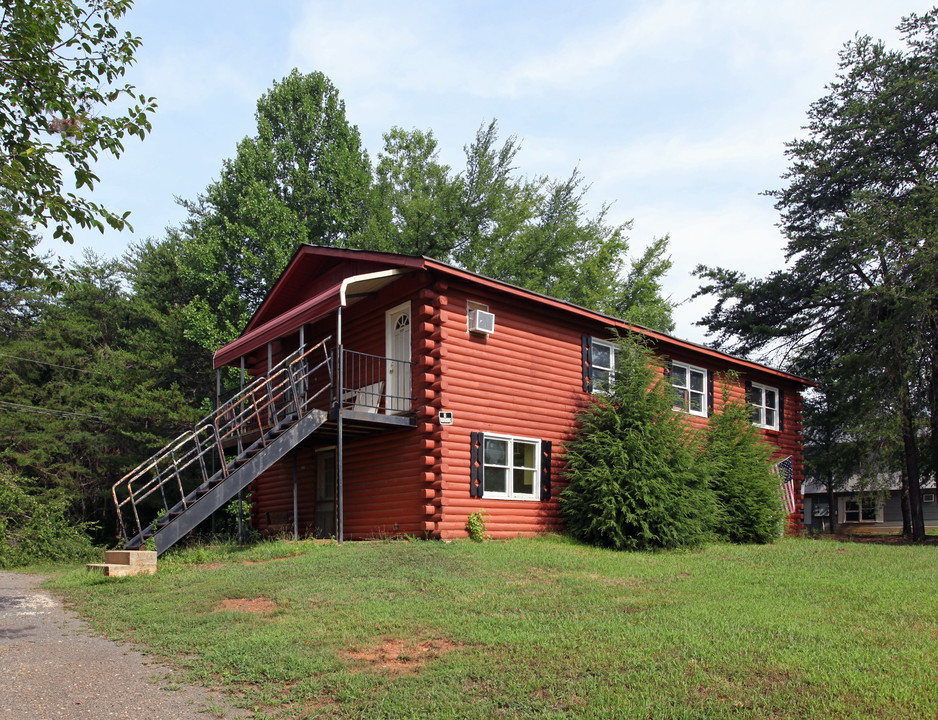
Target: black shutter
[[748, 389], [667, 369], [781, 410], [477, 441], [709, 393], [586, 344], [545, 469]]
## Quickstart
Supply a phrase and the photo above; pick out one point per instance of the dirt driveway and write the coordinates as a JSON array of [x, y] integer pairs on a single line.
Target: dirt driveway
[[52, 667]]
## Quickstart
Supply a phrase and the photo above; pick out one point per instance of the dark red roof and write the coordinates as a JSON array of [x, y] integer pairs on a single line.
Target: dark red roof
[[290, 303]]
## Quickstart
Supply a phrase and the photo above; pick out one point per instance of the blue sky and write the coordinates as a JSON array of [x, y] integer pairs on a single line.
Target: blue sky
[[676, 111]]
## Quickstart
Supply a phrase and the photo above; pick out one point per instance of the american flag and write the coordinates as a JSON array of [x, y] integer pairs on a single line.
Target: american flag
[[786, 486]]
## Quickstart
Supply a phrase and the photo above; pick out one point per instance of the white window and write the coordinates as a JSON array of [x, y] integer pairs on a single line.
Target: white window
[[763, 401], [602, 365], [861, 508], [689, 385], [510, 468]]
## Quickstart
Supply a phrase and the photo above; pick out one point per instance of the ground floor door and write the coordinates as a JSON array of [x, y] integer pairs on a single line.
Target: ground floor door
[[325, 493]]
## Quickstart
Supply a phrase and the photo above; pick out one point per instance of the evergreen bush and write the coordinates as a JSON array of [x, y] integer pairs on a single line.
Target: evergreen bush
[[35, 525], [634, 482], [749, 506]]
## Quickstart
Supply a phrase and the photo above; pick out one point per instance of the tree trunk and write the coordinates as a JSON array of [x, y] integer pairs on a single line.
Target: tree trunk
[[904, 504], [910, 451], [831, 508]]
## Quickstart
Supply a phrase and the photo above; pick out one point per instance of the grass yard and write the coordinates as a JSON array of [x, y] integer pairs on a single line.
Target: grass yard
[[540, 628]]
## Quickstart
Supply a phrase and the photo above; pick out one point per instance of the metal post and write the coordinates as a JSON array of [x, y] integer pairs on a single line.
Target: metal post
[[240, 492], [296, 519], [240, 521], [340, 380]]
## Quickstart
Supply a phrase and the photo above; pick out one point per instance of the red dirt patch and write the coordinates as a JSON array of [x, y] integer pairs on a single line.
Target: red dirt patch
[[252, 605], [399, 657]]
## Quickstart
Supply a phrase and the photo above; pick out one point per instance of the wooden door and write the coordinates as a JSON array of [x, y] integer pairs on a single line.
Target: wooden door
[[325, 493]]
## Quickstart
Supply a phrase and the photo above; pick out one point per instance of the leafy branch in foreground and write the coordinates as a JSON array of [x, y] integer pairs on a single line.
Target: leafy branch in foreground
[[61, 65]]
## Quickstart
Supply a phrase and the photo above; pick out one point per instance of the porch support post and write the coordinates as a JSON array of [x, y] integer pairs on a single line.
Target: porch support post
[[296, 519], [240, 493], [340, 382], [303, 337]]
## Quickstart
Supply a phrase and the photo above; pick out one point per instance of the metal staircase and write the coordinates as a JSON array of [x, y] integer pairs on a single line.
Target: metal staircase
[[168, 495]]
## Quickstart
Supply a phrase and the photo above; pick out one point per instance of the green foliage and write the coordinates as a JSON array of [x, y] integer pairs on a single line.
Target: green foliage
[[304, 177], [61, 64], [531, 232], [737, 459], [858, 304], [36, 525], [475, 526], [634, 480], [90, 386]]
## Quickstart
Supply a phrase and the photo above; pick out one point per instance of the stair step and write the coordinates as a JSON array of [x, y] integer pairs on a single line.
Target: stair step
[[118, 563]]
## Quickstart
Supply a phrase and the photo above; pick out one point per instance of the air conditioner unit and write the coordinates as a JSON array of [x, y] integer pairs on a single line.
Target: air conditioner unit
[[928, 497], [481, 322]]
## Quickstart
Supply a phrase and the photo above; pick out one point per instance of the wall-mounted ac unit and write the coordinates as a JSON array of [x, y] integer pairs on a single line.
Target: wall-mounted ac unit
[[481, 322], [928, 497]]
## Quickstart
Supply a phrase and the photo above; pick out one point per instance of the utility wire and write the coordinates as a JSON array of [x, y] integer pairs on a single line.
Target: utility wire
[[17, 407], [40, 362]]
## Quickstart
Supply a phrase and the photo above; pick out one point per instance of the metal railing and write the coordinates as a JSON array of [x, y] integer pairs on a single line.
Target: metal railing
[[375, 384], [167, 480]]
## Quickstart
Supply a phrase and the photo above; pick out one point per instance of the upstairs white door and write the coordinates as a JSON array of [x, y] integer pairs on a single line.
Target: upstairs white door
[[397, 333]]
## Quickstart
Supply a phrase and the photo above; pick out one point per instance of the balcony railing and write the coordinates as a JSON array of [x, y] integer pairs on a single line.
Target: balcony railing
[[374, 385]]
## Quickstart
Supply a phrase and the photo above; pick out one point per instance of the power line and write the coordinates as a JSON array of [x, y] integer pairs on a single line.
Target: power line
[[17, 407], [40, 362]]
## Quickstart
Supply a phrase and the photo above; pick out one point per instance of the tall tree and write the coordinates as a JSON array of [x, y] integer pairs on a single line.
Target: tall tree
[[61, 64], [415, 205], [91, 389], [859, 299], [303, 178], [532, 232]]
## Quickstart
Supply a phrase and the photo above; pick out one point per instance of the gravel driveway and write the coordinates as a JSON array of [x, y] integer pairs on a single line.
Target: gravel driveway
[[52, 667]]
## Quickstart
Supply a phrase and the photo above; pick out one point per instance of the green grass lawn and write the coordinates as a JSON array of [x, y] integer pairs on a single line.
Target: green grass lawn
[[540, 628]]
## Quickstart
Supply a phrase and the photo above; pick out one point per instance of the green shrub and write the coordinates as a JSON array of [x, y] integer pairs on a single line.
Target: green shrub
[[634, 482], [475, 526], [749, 506], [35, 525]]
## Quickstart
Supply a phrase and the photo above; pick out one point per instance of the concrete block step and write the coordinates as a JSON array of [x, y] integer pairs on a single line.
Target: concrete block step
[[121, 570], [134, 558], [118, 563]]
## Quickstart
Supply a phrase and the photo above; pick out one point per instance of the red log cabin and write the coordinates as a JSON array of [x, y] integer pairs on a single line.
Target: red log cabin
[[434, 393]]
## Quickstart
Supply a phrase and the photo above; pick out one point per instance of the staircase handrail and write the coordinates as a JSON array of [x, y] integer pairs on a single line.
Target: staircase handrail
[[255, 408]]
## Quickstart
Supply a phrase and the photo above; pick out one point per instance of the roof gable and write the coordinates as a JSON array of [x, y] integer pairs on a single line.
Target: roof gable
[[312, 270]]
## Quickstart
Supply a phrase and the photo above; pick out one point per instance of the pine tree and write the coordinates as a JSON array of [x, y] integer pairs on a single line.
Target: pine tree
[[738, 463], [634, 483]]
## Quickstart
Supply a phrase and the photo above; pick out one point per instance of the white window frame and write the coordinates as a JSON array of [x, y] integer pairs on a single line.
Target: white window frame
[[761, 407], [510, 494], [685, 407], [861, 501], [597, 385], [473, 305]]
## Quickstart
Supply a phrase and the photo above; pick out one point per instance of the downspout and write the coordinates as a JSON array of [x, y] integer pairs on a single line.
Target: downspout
[[340, 532]]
